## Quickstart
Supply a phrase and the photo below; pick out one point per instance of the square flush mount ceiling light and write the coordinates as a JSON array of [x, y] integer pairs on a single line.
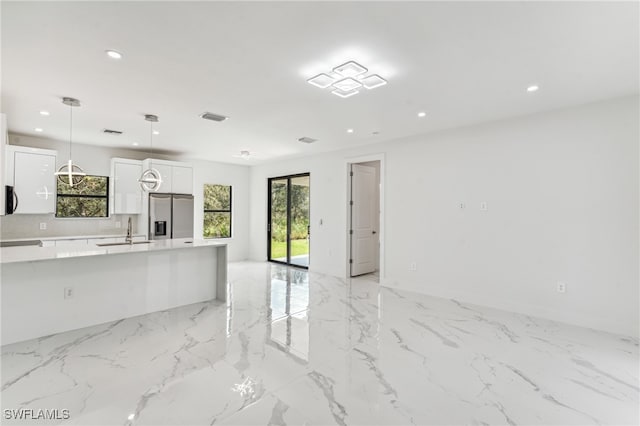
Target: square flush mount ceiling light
[[321, 80], [346, 79], [350, 69], [373, 81], [347, 84], [345, 94]]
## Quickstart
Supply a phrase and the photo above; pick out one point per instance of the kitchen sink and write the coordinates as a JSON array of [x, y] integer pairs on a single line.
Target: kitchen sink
[[123, 244]]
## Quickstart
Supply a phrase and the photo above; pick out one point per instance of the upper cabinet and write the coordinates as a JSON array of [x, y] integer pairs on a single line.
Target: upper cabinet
[[126, 194], [31, 173], [177, 178], [181, 180]]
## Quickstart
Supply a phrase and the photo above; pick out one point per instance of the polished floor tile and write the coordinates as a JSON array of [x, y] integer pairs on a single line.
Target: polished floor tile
[[293, 348]]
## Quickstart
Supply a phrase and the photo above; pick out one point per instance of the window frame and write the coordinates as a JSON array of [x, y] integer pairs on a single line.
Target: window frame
[[230, 211], [105, 197]]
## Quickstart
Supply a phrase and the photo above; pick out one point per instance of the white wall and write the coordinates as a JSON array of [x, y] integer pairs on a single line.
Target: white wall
[[562, 192], [97, 160]]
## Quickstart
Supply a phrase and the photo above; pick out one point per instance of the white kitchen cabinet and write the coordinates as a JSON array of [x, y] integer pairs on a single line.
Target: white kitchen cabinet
[[165, 174], [181, 180], [31, 173], [177, 178], [126, 194]]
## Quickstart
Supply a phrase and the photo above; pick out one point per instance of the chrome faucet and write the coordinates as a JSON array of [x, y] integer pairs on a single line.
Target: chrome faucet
[[129, 239]]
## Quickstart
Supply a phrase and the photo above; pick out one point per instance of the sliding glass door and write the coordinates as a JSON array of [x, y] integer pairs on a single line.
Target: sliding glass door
[[288, 227]]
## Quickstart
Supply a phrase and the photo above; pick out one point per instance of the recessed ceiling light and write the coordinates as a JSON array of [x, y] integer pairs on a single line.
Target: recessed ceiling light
[[349, 130], [350, 69], [114, 54], [533, 88], [44, 112], [155, 132], [321, 80], [422, 114], [344, 94], [38, 129], [373, 81]]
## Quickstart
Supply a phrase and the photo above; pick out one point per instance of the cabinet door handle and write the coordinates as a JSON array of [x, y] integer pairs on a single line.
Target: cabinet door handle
[[15, 206]]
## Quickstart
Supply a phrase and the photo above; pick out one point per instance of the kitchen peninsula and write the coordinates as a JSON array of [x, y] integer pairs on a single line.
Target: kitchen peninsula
[[47, 290]]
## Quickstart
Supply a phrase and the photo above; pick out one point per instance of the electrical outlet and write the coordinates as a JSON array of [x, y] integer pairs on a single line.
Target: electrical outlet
[[68, 292], [463, 206], [413, 266], [562, 287], [43, 226], [118, 224], [483, 206]]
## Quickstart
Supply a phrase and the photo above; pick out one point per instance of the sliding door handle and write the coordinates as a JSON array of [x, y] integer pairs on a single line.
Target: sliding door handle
[[15, 206]]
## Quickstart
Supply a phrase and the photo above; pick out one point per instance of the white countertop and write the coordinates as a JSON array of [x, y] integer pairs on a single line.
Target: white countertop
[[73, 237], [34, 253]]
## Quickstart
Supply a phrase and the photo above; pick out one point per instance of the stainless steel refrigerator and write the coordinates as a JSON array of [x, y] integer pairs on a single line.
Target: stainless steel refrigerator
[[170, 216]]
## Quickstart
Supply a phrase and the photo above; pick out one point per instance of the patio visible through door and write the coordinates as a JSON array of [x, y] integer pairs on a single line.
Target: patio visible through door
[[288, 227]]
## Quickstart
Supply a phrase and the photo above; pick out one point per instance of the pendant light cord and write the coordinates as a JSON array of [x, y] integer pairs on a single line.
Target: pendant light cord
[[151, 145], [151, 140], [70, 128]]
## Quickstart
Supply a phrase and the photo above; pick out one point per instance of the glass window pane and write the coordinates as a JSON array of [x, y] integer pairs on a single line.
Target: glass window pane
[[217, 197], [81, 207], [90, 185], [217, 225]]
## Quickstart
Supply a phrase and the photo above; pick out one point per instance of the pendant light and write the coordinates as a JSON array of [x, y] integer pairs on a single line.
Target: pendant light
[[150, 180], [70, 174]]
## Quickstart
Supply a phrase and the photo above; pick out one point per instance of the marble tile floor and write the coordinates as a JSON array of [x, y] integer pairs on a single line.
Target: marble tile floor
[[292, 348]]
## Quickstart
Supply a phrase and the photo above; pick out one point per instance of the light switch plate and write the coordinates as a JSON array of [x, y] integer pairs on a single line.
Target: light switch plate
[[43, 226], [483, 206]]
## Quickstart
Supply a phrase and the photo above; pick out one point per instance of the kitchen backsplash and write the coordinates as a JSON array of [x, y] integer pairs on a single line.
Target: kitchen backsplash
[[28, 226]]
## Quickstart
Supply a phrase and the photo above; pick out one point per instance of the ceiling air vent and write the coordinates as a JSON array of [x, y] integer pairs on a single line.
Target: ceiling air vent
[[213, 117], [305, 139], [112, 132]]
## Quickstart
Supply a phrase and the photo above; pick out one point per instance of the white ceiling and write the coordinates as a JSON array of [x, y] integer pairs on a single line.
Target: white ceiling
[[462, 63]]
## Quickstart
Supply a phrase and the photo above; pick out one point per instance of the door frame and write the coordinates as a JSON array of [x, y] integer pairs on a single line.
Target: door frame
[[288, 177], [348, 162]]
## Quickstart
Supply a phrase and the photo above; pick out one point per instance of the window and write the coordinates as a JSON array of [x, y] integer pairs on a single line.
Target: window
[[217, 211], [89, 199]]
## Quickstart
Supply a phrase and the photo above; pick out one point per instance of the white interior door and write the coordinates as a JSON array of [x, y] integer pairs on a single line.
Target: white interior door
[[363, 213]]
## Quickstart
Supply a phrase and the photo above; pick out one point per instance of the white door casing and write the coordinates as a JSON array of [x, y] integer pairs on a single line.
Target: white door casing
[[363, 211]]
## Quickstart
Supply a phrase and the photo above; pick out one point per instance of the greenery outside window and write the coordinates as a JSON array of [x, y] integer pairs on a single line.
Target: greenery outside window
[[88, 199], [217, 211]]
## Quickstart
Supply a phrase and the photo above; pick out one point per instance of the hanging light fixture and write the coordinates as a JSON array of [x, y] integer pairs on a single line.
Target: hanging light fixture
[[150, 180], [70, 174]]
